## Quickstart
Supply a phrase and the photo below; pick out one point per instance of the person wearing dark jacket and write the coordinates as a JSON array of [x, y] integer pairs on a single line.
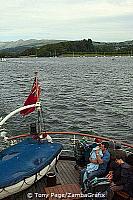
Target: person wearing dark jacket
[[127, 175], [115, 165], [124, 176]]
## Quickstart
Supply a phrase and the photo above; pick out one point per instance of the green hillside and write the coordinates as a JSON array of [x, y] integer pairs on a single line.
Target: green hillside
[[60, 48], [85, 47]]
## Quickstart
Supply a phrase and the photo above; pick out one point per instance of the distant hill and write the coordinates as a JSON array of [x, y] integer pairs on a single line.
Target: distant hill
[[20, 45], [114, 44], [50, 48], [114, 47], [61, 48], [130, 42], [82, 48]]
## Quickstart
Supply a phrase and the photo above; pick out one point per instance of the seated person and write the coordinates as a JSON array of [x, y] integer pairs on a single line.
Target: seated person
[[117, 151], [89, 148], [92, 166], [123, 179], [101, 162], [115, 167]]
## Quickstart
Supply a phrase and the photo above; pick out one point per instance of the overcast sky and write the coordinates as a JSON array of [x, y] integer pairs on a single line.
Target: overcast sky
[[100, 20]]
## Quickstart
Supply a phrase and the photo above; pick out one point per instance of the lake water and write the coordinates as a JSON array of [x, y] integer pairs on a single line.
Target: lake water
[[78, 94]]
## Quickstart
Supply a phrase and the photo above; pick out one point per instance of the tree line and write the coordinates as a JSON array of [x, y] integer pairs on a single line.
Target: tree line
[[82, 47], [61, 48]]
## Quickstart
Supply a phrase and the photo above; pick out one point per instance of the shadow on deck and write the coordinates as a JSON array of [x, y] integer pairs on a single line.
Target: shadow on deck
[[67, 174]]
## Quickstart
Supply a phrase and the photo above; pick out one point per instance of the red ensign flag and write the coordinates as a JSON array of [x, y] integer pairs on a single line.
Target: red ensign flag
[[32, 98]]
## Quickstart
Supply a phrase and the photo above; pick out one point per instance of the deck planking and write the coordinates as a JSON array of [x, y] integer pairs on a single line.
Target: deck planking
[[64, 191]]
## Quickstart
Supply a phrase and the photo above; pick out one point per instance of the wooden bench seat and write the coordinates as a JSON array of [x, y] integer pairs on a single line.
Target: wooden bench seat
[[61, 192]]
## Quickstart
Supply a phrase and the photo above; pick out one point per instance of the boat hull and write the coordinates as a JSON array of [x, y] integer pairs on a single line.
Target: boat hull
[[15, 183]]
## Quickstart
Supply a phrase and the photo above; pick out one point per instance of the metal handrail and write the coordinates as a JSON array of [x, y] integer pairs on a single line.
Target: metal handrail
[[74, 137], [69, 142]]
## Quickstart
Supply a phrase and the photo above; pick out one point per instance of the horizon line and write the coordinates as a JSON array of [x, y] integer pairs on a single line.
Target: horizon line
[[21, 39]]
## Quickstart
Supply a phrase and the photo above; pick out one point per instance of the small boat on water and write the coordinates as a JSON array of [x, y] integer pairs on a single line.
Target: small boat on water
[[32, 156]]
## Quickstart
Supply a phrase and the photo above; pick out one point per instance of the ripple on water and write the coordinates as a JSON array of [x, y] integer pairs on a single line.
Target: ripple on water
[[80, 94]]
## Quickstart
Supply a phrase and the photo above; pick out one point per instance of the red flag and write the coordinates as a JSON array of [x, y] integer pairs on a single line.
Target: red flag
[[32, 98]]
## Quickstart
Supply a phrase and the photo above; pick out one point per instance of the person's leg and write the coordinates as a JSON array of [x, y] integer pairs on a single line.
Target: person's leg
[[81, 177], [90, 176], [94, 174]]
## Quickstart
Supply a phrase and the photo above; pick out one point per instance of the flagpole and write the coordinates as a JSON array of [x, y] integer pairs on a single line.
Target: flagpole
[[39, 108], [36, 73], [37, 105]]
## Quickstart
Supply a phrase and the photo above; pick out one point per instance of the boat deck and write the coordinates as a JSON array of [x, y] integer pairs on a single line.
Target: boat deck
[[67, 174]]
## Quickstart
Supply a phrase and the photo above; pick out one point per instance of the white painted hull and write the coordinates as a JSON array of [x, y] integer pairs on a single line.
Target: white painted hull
[[22, 185]]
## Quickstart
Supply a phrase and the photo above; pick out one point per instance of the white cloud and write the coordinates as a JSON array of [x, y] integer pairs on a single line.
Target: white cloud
[[65, 19]]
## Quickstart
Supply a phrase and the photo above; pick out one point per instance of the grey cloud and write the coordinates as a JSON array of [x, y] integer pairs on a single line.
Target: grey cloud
[[66, 19]]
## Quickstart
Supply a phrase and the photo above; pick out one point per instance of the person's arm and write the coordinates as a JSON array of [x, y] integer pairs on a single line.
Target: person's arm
[[98, 159], [93, 161], [110, 176]]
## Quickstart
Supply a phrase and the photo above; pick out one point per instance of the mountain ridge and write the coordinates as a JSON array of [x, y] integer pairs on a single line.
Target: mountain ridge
[[33, 47], [38, 43], [29, 43]]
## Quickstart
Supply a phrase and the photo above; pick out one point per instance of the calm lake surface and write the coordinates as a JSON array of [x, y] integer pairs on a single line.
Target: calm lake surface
[[78, 94]]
